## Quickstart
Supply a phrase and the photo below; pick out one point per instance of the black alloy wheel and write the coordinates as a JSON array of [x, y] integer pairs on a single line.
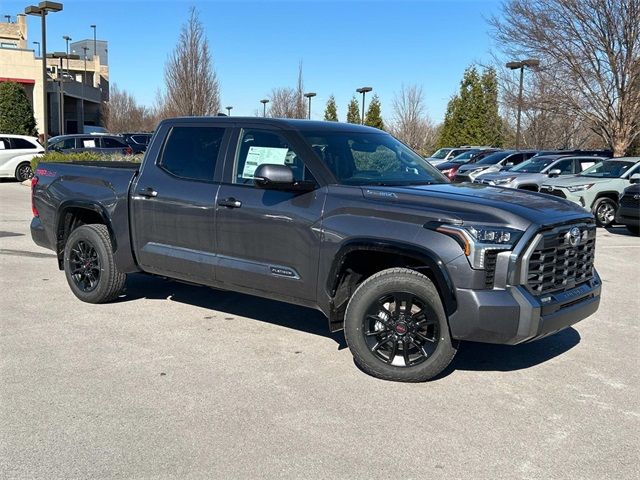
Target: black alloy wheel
[[399, 331], [85, 265]]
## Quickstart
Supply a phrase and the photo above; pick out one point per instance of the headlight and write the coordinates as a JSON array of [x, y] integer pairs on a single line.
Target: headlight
[[580, 188], [475, 240], [502, 181]]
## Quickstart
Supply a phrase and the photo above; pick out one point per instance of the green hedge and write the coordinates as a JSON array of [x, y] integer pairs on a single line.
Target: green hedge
[[58, 157]]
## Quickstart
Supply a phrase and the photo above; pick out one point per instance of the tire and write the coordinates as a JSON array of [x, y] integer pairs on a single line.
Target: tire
[[604, 209], [89, 265], [24, 171], [635, 229], [421, 330]]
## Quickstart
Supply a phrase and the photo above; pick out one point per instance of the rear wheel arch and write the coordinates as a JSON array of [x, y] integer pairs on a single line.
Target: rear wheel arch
[[73, 214], [358, 260]]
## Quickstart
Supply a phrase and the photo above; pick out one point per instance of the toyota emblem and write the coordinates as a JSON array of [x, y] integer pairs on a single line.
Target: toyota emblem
[[636, 197], [574, 236]]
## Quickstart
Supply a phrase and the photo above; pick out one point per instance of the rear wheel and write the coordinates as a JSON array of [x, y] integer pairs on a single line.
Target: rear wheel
[[89, 266], [605, 212], [24, 172], [396, 327]]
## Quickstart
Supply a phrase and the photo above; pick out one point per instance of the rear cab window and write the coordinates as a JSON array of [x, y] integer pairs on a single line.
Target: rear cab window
[[192, 152]]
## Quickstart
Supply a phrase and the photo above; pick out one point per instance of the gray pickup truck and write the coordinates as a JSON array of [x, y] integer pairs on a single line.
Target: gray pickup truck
[[336, 217]]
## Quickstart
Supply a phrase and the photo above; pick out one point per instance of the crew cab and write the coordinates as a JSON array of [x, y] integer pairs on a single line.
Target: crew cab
[[337, 217]]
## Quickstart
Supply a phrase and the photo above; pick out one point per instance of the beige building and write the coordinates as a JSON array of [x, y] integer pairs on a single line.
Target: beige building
[[76, 89]]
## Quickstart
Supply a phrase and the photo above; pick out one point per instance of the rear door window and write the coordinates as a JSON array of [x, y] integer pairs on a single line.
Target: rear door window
[[21, 143], [192, 152]]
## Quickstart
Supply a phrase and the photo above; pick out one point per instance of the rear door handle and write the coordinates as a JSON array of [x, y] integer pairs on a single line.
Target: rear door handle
[[230, 203], [148, 192]]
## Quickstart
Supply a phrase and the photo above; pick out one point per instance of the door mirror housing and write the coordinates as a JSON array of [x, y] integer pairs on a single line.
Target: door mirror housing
[[271, 176], [635, 178], [555, 172], [509, 164]]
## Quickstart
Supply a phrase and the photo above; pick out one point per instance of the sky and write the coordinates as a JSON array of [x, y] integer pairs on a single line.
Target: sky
[[257, 45]]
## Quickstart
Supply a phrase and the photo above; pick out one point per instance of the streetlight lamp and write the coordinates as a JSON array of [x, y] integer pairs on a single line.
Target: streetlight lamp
[[42, 9], [310, 95], [363, 91], [531, 63], [95, 42], [37, 43], [66, 38], [264, 102], [8, 17], [229, 110]]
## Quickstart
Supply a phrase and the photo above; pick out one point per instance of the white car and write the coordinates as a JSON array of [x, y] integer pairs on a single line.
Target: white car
[[16, 152]]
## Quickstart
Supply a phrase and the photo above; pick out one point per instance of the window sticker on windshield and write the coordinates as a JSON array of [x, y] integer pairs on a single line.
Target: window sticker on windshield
[[260, 155], [89, 143]]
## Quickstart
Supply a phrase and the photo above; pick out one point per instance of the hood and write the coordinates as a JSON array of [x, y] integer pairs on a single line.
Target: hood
[[448, 165], [506, 174], [477, 203], [570, 180], [635, 188], [470, 167]]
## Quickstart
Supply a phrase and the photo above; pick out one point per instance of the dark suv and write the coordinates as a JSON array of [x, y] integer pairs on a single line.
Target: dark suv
[[97, 143], [137, 141]]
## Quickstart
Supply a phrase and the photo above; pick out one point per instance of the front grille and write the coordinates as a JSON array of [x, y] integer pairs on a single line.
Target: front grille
[[555, 265], [627, 201], [555, 192], [490, 258]]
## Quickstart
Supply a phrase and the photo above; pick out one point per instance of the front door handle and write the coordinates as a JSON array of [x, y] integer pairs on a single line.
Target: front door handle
[[148, 192], [230, 203]]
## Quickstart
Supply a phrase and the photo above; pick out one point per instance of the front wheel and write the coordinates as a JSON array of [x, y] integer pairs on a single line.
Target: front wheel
[[89, 266], [605, 212], [24, 172], [396, 327]]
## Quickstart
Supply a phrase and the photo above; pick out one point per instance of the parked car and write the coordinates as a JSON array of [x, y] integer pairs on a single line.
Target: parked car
[[598, 188], [628, 213], [450, 167], [97, 143], [338, 217], [492, 163], [529, 175], [444, 154], [16, 152], [137, 141]]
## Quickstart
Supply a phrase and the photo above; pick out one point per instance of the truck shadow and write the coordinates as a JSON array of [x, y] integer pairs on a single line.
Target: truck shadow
[[471, 356], [231, 304]]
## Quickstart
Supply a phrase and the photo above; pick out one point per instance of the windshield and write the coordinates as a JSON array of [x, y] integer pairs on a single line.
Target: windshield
[[608, 169], [493, 158], [440, 154], [464, 156], [535, 165], [371, 159]]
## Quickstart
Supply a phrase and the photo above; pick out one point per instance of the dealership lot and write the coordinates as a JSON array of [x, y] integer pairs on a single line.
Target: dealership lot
[[186, 382]]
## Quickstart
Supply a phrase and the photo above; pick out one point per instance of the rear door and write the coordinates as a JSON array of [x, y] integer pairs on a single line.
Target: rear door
[[269, 240], [174, 199]]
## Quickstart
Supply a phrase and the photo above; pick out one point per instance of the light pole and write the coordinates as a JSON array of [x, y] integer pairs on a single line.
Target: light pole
[[310, 95], [8, 17], [42, 9], [363, 91], [84, 80], [66, 38], [264, 102], [531, 63], [95, 42], [37, 43], [228, 110]]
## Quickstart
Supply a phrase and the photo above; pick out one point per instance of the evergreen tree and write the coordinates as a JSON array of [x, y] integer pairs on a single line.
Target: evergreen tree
[[373, 118], [16, 113], [472, 114], [331, 111], [353, 112]]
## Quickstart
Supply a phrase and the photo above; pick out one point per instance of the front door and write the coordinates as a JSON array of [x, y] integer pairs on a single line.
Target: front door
[[269, 240], [173, 204]]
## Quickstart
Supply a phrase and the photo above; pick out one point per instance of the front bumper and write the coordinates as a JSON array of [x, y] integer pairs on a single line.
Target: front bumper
[[513, 315]]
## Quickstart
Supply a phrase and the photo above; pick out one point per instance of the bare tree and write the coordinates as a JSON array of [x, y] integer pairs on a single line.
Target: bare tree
[[123, 114], [410, 122], [590, 59], [287, 102], [190, 79]]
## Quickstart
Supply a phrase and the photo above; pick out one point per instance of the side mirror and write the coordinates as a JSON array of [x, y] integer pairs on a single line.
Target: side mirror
[[273, 176], [635, 178], [555, 172], [508, 164]]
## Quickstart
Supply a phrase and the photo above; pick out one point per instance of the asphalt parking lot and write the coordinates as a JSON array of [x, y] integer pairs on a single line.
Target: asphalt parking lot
[[175, 381]]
